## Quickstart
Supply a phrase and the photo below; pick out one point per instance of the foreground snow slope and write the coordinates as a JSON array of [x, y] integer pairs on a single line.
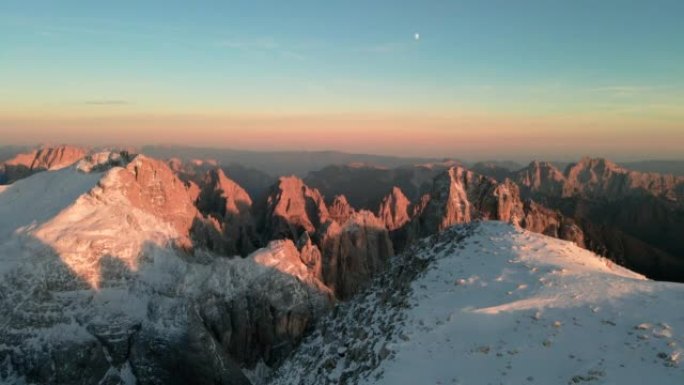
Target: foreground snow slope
[[492, 304]]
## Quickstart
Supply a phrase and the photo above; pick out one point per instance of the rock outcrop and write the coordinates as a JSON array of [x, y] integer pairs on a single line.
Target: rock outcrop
[[598, 178], [268, 319], [254, 181], [103, 287], [104, 160], [541, 177], [311, 257], [229, 209], [459, 196], [395, 209], [340, 210], [46, 158], [354, 252], [634, 218], [542, 220], [365, 186], [292, 208], [342, 247], [601, 178], [152, 187]]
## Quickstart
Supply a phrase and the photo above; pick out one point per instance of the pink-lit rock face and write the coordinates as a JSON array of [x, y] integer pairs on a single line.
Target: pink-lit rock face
[[293, 208], [501, 202], [152, 187], [305, 264], [394, 209], [449, 202], [311, 256], [131, 209], [340, 210], [47, 158], [598, 178], [603, 178], [419, 207], [541, 177], [350, 247], [460, 196], [54, 158], [236, 201]]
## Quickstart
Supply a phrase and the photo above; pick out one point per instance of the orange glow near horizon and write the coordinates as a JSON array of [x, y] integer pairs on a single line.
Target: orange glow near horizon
[[465, 136]]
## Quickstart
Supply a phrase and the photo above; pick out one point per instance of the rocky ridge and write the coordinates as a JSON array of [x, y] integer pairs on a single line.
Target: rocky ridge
[[46, 158], [162, 235], [598, 178], [107, 278]]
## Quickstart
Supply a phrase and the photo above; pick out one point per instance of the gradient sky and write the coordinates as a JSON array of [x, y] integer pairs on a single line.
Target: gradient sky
[[487, 79]]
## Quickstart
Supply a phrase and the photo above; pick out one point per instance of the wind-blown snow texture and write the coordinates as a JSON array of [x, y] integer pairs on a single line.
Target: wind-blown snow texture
[[491, 304]]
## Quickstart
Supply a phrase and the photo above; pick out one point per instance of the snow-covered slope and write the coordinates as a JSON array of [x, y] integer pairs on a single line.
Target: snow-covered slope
[[33, 200], [488, 303], [94, 290]]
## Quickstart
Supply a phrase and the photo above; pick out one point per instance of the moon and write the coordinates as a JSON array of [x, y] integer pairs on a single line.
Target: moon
[[416, 36]]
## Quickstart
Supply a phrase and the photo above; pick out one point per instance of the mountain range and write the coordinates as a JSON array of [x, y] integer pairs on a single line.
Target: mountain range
[[120, 268]]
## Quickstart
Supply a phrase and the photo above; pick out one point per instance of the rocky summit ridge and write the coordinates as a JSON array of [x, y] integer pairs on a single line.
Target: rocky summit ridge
[[148, 271]]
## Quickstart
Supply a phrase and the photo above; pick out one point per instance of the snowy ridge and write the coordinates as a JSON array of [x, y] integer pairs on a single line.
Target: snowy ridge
[[90, 281], [491, 304], [103, 224]]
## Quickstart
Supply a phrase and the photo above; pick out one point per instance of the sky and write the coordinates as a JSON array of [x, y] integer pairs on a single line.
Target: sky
[[469, 79]]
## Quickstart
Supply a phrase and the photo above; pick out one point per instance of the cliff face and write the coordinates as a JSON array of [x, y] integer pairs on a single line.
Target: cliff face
[[459, 196], [632, 217], [340, 210], [229, 209], [152, 187], [347, 247], [541, 177], [394, 209], [542, 220], [254, 181], [293, 208], [597, 178], [354, 252], [365, 186], [449, 203], [603, 178], [47, 158]]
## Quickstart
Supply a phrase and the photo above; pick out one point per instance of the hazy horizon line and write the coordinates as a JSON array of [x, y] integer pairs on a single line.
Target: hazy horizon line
[[484, 159]]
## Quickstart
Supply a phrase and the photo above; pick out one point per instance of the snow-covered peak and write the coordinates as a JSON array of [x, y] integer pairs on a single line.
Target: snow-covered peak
[[96, 286], [96, 210], [488, 303]]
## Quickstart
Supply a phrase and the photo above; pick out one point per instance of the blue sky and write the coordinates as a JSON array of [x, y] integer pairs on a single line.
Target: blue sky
[[618, 62]]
